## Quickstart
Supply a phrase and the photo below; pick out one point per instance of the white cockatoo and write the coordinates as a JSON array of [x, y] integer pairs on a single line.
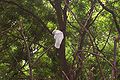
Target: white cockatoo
[[58, 36]]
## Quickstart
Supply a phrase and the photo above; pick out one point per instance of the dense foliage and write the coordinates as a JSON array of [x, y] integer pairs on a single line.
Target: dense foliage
[[89, 51]]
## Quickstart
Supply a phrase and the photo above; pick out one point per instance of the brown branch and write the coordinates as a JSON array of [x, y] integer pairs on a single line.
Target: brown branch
[[29, 12], [83, 31], [113, 15], [61, 19], [42, 55], [52, 3], [65, 75], [106, 40], [98, 55], [114, 61], [100, 67], [27, 48], [74, 15], [95, 18]]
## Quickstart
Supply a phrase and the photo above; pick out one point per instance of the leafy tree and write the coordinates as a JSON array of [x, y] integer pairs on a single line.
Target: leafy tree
[[89, 51]]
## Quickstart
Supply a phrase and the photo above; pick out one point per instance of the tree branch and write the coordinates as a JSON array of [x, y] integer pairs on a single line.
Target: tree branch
[[29, 12], [113, 15], [27, 48]]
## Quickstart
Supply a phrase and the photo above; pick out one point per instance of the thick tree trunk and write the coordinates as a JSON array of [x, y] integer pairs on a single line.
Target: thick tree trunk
[[114, 61], [61, 17]]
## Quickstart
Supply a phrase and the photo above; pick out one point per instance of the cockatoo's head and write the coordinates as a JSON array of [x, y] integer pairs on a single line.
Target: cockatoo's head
[[56, 31]]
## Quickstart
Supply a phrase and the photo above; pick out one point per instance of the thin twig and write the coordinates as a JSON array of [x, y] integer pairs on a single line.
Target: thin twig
[[113, 15], [27, 47], [29, 12], [42, 55], [65, 75]]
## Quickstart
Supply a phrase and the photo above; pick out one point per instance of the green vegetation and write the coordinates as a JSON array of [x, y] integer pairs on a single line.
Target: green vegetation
[[89, 51]]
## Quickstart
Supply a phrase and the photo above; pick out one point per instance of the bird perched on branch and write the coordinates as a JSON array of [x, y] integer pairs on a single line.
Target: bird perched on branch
[[58, 36]]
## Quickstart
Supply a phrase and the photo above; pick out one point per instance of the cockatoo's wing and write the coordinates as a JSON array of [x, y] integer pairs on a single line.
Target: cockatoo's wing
[[57, 43], [58, 40]]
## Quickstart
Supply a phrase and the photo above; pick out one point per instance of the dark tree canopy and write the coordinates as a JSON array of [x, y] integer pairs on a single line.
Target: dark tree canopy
[[90, 49]]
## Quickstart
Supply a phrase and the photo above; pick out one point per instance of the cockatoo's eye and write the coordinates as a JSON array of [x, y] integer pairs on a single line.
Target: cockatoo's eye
[[58, 36]]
